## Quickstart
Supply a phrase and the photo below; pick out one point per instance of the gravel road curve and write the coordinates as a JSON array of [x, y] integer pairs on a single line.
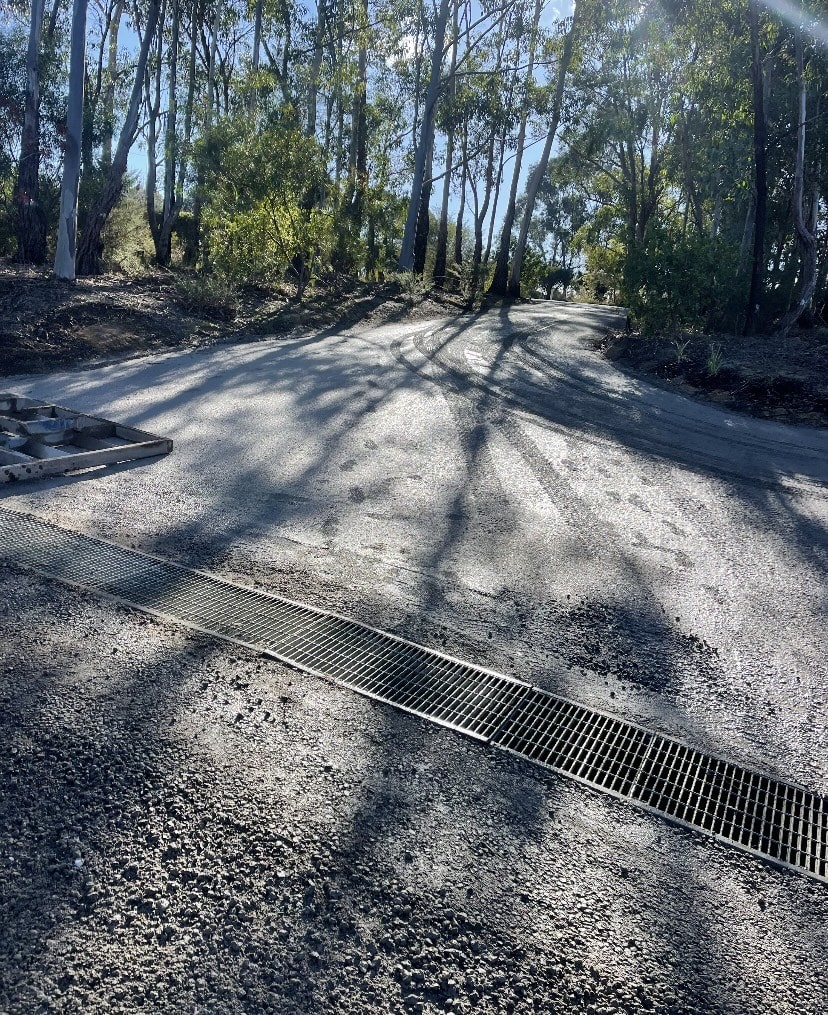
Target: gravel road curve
[[189, 827]]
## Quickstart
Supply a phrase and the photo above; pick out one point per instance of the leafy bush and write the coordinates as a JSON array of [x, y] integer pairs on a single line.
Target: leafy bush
[[673, 282], [128, 246], [206, 295], [263, 214], [533, 271]]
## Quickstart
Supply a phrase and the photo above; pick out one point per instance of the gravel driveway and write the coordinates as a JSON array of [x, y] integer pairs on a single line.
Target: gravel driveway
[[190, 827]]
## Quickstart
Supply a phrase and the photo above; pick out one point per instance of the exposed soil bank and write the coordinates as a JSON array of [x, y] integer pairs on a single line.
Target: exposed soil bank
[[47, 324], [787, 380]]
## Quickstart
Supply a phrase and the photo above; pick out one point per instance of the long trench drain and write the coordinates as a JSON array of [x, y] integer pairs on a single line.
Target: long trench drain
[[777, 821]]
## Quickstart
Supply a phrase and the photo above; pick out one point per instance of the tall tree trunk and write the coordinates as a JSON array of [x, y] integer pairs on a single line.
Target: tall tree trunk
[[31, 220], [190, 100], [68, 221], [480, 215], [806, 236], [439, 274], [757, 274], [424, 145], [109, 88], [198, 200], [152, 101], [498, 183], [90, 247], [539, 172], [316, 68], [500, 281], [257, 45], [421, 236], [359, 130], [458, 226], [172, 204]]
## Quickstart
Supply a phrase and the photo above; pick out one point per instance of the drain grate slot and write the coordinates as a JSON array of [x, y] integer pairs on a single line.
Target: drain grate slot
[[754, 812]]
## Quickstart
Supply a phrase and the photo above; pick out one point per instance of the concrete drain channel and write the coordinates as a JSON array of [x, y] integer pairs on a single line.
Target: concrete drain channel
[[777, 821]]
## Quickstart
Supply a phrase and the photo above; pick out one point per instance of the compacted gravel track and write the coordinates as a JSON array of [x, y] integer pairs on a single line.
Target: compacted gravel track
[[187, 826]]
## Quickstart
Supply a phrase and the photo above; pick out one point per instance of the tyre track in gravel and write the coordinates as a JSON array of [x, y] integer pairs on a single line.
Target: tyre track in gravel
[[544, 371]]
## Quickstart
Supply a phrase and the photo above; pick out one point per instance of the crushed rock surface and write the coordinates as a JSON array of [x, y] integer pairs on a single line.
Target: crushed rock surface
[[189, 826]]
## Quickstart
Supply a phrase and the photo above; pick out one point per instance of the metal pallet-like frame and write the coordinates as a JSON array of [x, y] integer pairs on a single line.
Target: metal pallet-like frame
[[39, 439]]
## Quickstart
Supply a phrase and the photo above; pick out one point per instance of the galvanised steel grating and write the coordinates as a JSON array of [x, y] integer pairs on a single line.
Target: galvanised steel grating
[[771, 819]]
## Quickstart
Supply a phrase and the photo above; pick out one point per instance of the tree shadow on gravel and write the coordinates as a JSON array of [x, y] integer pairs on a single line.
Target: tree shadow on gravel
[[501, 808]]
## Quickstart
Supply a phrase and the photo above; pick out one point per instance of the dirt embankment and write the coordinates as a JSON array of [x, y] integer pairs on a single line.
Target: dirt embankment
[[47, 324], [783, 380]]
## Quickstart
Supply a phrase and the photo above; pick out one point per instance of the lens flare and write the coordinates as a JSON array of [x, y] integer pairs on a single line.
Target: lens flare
[[796, 15]]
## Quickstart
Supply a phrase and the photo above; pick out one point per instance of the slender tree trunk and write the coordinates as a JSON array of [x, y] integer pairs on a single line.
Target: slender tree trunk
[[257, 45], [172, 204], [441, 253], [500, 281], [757, 274], [458, 226], [498, 183], [50, 30], [211, 68], [90, 246], [190, 100], [153, 111], [406, 262], [109, 87], [359, 131], [421, 236], [316, 68], [539, 172], [68, 221], [806, 236], [439, 274], [152, 101], [31, 220], [198, 200], [480, 216]]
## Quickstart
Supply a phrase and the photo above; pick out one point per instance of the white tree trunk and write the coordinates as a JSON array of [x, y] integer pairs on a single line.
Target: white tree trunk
[[68, 222]]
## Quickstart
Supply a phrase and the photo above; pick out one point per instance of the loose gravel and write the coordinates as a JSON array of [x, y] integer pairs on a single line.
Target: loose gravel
[[187, 826]]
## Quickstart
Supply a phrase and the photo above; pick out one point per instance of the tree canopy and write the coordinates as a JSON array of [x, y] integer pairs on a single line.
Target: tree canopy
[[666, 155]]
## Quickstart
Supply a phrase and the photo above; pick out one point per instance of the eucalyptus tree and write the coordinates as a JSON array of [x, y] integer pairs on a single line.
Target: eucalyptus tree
[[67, 222], [90, 246], [537, 174], [499, 283], [31, 221]]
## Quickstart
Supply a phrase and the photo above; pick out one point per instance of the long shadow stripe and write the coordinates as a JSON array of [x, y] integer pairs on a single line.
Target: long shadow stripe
[[764, 816]]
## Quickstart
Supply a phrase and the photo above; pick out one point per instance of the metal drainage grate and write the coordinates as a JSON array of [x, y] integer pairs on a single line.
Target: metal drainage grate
[[771, 819]]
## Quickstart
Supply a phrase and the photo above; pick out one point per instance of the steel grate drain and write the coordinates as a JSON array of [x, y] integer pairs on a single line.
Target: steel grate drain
[[764, 816]]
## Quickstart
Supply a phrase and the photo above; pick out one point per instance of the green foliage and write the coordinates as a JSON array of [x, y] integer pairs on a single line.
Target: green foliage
[[263, 217], [715, 358], [604, 269], [674, 281], [206, 295], [128, 246], [533, 271]]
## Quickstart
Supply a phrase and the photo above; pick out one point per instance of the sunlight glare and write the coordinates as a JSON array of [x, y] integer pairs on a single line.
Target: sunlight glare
[[795, 15]]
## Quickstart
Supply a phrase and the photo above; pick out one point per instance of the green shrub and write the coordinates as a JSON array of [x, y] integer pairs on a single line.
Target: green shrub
[[673, 282], [127, 240], [264, 212], [212, 296]]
